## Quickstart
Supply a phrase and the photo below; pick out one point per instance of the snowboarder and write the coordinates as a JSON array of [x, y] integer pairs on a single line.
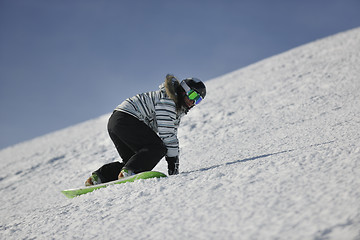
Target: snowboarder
[[144, 129]]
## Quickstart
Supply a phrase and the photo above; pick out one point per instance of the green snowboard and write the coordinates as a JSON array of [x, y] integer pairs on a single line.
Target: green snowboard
[[71, 193]]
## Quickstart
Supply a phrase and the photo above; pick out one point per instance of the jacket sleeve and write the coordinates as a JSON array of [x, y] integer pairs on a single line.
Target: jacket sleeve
[[167, 125]]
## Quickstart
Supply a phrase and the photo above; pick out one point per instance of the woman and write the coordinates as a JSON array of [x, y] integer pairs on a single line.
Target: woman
[[144, 129]]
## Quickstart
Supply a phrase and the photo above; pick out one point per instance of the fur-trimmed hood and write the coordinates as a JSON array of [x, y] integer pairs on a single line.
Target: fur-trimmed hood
[[171, 84], [173, 90]]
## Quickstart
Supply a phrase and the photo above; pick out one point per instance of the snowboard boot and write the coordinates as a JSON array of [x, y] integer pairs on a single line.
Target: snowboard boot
[[93, 180], [126, 173]]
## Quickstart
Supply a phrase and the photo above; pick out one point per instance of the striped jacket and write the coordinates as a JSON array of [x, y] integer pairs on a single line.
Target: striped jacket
[[159, 110]]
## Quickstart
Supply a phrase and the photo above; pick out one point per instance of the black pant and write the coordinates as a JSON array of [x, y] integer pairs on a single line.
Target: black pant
[[138, 145]]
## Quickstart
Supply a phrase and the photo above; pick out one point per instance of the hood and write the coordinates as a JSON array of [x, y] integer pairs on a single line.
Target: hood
[[172, 88]]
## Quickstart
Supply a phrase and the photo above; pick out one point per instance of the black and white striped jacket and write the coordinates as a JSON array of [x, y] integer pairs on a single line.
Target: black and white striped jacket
[[160, 111]]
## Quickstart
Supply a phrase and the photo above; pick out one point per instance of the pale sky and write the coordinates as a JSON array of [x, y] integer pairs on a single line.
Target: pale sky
[[66, 61]]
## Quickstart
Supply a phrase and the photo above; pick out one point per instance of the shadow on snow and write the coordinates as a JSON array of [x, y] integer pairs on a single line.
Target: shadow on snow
[[254, 158]]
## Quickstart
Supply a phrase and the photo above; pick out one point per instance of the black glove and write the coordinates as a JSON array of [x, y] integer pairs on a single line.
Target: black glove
[[173, 165]]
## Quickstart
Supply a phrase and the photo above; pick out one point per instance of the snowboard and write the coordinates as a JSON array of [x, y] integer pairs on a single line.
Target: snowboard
[[71, 193]]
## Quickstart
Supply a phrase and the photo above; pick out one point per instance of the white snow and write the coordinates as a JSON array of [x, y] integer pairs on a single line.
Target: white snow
[[271, 153]]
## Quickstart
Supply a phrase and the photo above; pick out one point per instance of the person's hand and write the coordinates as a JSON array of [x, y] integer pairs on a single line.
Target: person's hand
[[173, 165]]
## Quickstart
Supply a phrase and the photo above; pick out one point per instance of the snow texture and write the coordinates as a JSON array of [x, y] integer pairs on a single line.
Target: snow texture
[[271, 153]]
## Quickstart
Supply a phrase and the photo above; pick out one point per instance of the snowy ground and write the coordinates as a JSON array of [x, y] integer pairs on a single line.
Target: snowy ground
[[272, 153]]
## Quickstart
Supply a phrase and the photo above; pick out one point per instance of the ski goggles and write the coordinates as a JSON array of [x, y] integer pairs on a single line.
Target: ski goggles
[[194, 96], [191, 94]]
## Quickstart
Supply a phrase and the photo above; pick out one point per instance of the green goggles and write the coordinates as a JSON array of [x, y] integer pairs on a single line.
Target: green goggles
[[194, 96], [191, 94]]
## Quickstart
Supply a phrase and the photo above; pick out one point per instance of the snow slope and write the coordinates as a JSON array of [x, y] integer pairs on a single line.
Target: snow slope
[[271, 153]]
